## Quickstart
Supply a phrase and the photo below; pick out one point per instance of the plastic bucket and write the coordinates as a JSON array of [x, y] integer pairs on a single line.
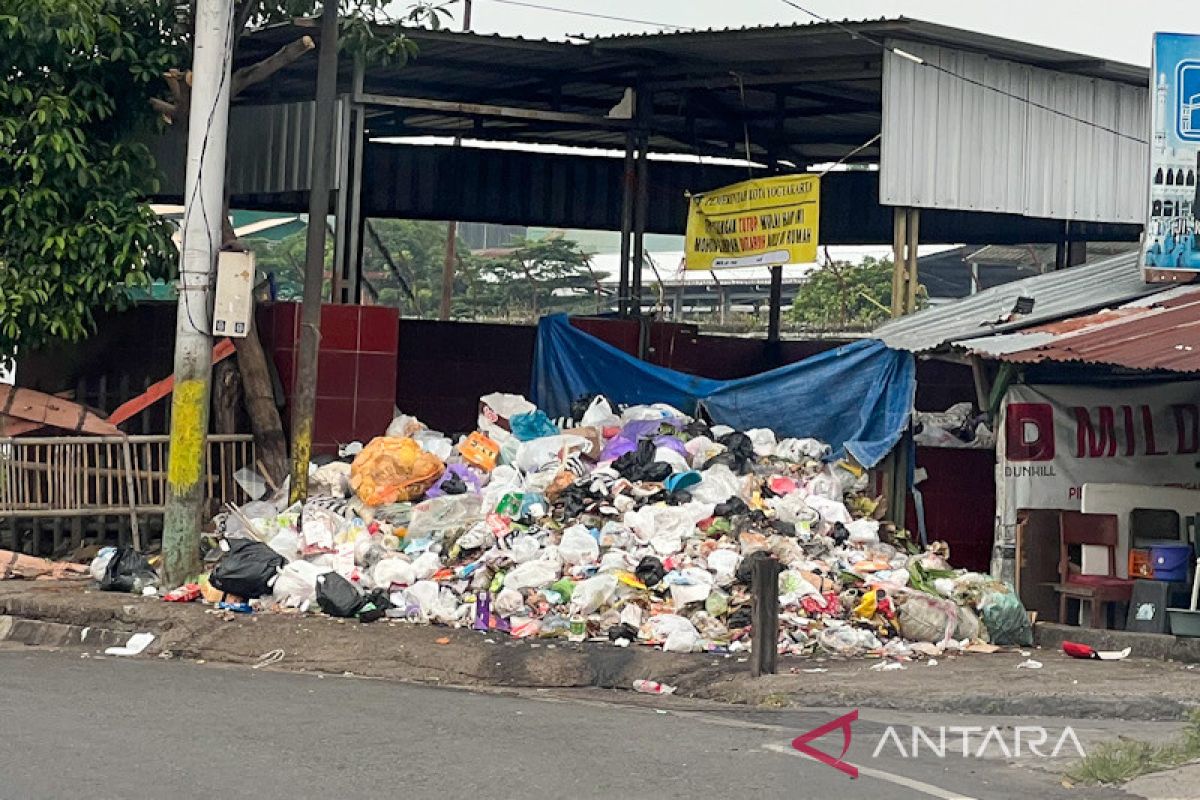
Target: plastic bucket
[[1170, 561]]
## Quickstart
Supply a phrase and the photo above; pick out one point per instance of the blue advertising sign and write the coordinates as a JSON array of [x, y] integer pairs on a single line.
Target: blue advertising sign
[[1170, 250]]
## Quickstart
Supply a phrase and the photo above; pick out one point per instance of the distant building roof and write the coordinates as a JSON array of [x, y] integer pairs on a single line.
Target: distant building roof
[[1055, 295]]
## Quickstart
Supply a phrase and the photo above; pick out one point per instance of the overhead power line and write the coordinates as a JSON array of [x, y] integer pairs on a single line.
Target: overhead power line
[[939, 68], [593, 15]]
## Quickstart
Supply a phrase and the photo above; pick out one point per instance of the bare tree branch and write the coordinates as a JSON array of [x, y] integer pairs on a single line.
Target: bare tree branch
[[246, 77]]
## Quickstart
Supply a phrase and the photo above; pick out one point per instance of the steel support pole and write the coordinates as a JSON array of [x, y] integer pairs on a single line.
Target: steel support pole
[[208, 125], [628, 181], [304, 400], [640, 212], [775, 311]]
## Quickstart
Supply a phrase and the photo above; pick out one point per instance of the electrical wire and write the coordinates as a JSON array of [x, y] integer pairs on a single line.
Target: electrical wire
[[939, 68], [593, 15]]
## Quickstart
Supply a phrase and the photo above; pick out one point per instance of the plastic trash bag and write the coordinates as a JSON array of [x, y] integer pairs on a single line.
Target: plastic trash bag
[[578, 546], [332, 479], [507, 602], [536, 574], [524, 548], [690, 585], [593, 593], [426, 564], [533, 455], [666, 526], [247, 569], [336, 596], [969, 626], [1006, 620], [393, 572], [496, 411], [925, 618], [286, 543], [802, 449], [129, 571], [683, 641], [657, 411], [393, 470], [438, 516], [847, 641], [599, 414], [296, 584], [763, 440], [251, 482], [717, 484], [864, 531], [319, 527], [404, 426], [532, 425], [724, 563], [435, 443], [660, 626], [100, 562]]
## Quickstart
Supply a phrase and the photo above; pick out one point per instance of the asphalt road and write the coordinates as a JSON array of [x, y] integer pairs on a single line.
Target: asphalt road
[[137, 728]]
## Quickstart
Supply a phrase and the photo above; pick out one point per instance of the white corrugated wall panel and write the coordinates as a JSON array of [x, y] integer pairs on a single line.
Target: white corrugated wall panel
[[950, 143]]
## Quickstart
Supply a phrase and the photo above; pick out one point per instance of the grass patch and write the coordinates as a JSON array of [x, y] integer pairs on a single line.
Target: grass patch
[[775, 700], [1123, 760]]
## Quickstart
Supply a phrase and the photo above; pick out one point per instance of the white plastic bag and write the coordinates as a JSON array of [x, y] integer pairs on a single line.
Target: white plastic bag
[[593, 593], [524, 548], [507, 602], [393, 571], [578, 546], [701, 449], [504, 480], [864, 531], [433, 442], [286, 543], [297, 584], [439, 515], [763, 440], [537, 453], [665, 527], [536, 574], [423, 595], [404, 426], [661, 626], [683, 641], [724, 564], [599, 414], [717, 484], [319, 527], [691, 585], [655, 411], [825, 484], [617, 561], [100, 562], [496, 409], [802, 449], [425, 565]]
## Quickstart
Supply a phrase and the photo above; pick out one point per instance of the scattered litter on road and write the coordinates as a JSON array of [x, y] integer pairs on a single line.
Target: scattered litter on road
[[135, 646], [269, 658], [1077, 650], [652, 687], [1029, 663]]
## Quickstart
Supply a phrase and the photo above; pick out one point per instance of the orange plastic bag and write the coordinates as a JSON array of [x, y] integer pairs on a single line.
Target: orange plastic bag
[[393, 471], [479, 450]]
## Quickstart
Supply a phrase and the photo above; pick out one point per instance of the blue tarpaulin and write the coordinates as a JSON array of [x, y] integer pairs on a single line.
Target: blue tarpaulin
[[858, 398]]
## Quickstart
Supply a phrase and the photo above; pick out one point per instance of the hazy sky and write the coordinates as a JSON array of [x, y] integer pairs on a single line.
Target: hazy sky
[[1115, 29]]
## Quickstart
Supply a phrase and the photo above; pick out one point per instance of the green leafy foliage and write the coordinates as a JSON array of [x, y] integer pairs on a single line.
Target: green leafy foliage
[[75, 80], [845, 296]]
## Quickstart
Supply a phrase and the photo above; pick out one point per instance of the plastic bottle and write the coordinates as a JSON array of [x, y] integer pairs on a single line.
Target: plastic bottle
[[652, 687], [578, 629]]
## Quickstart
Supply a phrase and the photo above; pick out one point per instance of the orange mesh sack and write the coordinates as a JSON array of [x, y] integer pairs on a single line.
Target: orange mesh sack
[[392, 470]]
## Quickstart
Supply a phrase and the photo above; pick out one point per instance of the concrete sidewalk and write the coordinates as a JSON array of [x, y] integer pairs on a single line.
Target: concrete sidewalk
[[57, 614]]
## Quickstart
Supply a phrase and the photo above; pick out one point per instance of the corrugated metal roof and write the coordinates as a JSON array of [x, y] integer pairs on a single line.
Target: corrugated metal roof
[[1056, 295], [1158, 333]]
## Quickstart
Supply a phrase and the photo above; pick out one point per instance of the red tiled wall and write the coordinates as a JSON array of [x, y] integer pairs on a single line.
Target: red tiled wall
[[356, 368]]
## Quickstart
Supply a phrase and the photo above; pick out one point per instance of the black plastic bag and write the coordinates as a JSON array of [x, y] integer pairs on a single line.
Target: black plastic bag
[[731, 508], [248, 568], [623, 630], [125, 570], [639, 464], [375, 606], [650, 571], [740, 618], [745, 570], [337, 596]]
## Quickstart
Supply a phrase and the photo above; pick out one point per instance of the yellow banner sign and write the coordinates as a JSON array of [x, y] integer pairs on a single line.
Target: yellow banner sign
[[757, 223]]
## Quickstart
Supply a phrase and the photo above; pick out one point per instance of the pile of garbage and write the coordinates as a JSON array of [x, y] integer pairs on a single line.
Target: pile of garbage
[[636, 525]]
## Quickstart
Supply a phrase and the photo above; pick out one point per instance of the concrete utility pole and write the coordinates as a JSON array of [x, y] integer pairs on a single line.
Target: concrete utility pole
[[452, 226], [304, 396], [208, 124]]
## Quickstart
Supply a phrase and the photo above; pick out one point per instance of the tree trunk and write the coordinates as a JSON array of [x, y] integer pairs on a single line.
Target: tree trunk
[[259, 395]]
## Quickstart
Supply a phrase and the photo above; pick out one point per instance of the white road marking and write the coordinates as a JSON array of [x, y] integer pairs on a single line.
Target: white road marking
[[881, 775]]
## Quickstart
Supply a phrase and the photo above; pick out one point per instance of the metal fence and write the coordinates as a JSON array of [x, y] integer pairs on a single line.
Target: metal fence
[[96, 476]]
